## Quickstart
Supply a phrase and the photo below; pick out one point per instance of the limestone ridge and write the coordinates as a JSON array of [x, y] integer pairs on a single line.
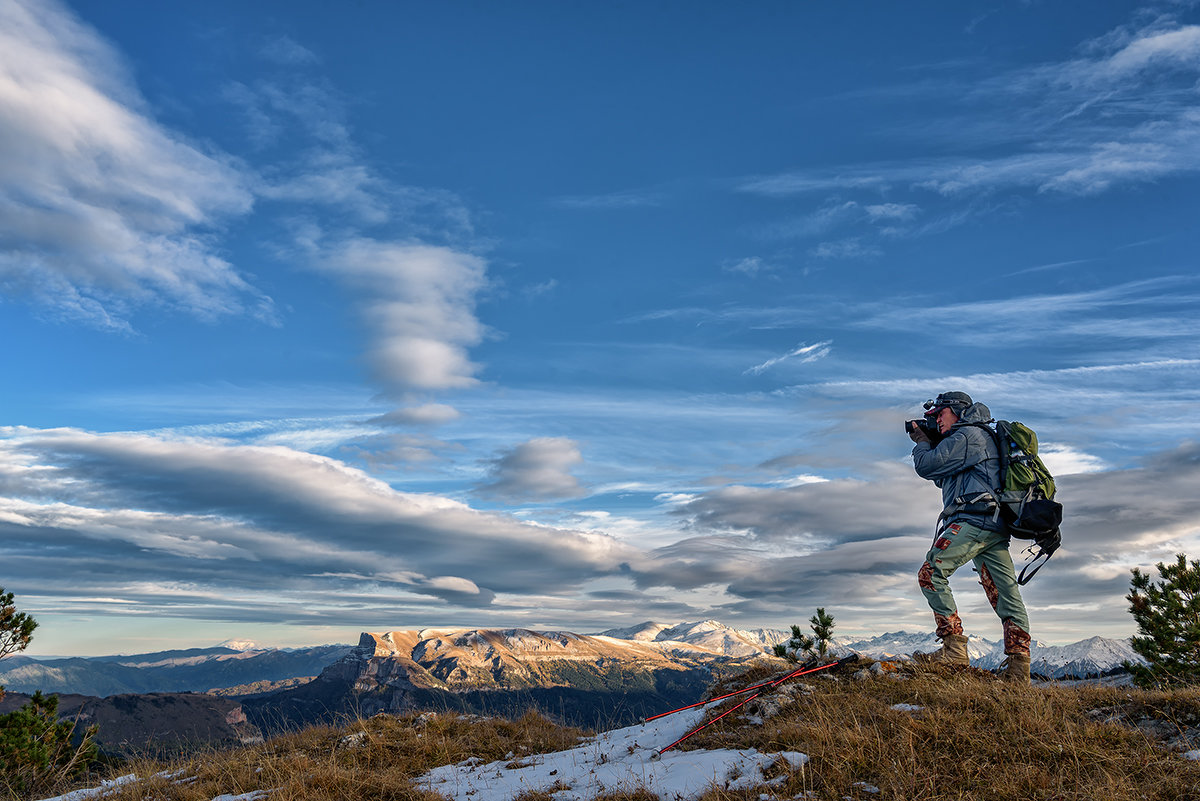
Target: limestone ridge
[[511, 659], [585, 680]]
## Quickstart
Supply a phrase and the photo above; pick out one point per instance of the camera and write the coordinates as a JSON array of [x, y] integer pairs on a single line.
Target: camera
[[928, 426]]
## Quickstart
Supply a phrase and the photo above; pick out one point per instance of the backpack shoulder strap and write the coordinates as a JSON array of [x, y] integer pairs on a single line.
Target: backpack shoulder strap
[[999, 435]]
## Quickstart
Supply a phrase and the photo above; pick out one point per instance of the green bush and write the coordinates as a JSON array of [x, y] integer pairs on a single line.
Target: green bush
[[802, 645], [16, 628], [1168, 620], [36, 749]]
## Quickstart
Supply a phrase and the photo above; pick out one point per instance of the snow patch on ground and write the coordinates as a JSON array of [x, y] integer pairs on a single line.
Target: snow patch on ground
[[96, 792], [907, 707], [623, 759]]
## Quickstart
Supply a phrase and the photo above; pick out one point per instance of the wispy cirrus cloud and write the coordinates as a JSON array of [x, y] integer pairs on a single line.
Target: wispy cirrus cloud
[[1132, 311], [902, 212], [102, 209], [286, 51], [415, 287], [853, 248], [802, 353], [1141, 310], [1121, 113], [629, 199], [751, 265]]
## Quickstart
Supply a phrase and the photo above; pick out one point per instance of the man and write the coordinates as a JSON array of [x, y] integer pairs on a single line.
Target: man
[[966, 466]]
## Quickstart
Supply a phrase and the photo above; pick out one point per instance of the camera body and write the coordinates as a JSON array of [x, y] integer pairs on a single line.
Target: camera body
[[928, 426]]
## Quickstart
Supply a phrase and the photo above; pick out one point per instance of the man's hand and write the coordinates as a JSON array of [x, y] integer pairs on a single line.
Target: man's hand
[[917, 434]]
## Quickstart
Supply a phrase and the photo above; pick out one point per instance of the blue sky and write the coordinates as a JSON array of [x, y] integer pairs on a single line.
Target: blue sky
[[574, 315]]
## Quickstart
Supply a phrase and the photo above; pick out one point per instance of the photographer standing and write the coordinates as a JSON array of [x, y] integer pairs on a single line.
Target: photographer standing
[[964, 463]]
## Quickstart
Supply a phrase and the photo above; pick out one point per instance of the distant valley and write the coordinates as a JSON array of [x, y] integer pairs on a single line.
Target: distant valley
[[191, 670]]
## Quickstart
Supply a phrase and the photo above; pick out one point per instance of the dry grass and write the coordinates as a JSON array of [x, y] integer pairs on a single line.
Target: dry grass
[[369, 759], [972, 738]]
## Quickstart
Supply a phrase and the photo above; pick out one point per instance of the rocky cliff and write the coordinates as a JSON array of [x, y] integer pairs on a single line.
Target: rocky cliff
[[587, 680], [513, 659]]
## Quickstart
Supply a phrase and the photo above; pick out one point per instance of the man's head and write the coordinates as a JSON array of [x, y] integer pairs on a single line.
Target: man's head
[[947, 408]]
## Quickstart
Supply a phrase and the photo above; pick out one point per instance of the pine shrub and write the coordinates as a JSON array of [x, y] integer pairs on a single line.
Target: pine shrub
[[1168, 620]]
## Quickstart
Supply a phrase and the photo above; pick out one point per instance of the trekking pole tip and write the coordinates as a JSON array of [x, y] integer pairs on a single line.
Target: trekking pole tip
[[655, 755]]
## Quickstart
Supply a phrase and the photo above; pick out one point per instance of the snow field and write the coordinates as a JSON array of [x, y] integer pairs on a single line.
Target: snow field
[[623, 759]]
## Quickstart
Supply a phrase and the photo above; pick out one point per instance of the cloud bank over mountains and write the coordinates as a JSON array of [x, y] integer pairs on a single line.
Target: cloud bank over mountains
[[189, 527]]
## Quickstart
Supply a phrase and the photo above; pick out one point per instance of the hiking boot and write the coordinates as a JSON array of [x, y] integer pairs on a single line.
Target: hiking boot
[[1016, 669], [953, 652]]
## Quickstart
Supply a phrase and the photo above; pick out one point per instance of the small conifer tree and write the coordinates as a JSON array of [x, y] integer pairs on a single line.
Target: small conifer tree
[[1167, 613], [803, 645], [16, 628], [36, 749]]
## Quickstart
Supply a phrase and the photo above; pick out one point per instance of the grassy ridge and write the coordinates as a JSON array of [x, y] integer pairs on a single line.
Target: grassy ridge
[[974, 736], [970, 737]]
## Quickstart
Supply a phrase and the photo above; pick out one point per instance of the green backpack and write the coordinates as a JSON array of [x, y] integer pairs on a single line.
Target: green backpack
[[1026, 491]]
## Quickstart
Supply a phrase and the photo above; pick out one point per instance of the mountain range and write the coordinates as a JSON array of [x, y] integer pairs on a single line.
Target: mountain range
[[241, 668], [190, 670], [173, 699]]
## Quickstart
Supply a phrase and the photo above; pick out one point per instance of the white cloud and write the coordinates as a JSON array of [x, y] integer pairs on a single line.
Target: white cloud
[[799, 480], [1063, 460], [418, 302], [97, 507], [901, 212], [803, 352], [1124, 113], [752, 266], [102, 208], [424, 415], [1133, 310], [613, 200], [286, 51], [538, 469], [803, 182], [211, 522], [535, 291], [846, 249], [1125, 54]]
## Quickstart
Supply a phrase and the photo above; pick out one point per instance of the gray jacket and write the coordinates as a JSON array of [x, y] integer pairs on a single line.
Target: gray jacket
[[963, 465]]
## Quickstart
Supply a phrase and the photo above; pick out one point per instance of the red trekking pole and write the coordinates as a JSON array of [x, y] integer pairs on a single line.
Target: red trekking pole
[[797, 672], [764, 687]]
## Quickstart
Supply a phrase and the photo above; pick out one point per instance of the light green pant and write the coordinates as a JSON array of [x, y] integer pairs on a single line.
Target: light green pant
[[961, 543]]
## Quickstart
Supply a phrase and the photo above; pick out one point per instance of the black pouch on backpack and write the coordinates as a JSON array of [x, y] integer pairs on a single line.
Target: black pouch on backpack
[[1033, 519]]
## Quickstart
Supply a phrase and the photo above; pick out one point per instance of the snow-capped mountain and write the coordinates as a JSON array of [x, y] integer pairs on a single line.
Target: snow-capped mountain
[[1091, 657], [708, 636], [902, 644]]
